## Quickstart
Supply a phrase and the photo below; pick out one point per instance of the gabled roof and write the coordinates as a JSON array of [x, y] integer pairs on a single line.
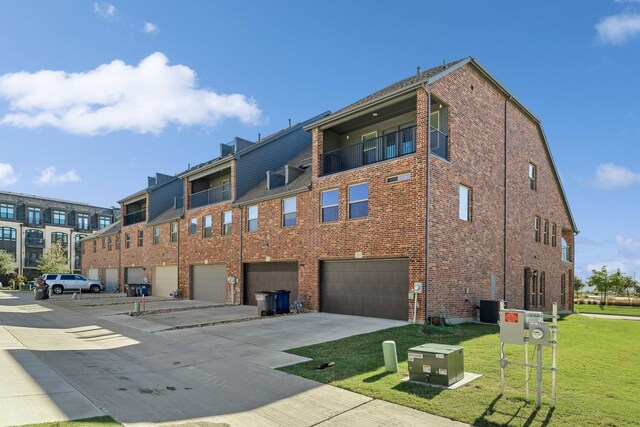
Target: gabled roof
[[107, 231], [429, 77], [299, 184]]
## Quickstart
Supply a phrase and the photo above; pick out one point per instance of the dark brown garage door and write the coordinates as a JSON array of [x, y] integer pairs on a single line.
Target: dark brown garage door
[[373, 288], [270, 276]]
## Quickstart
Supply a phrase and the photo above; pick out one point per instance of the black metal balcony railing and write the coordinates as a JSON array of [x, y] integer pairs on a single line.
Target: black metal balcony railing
[[566, 253], [389, 146], [210, 196], [34, 242], [439, 143], [135, 217]]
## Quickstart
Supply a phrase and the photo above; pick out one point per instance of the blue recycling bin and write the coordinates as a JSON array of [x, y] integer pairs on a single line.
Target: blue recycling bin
[[144, 290], [282, 301]]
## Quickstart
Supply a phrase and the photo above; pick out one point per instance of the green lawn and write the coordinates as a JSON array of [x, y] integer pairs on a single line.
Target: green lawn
[[104, 421], [607, 309], [598, 378]]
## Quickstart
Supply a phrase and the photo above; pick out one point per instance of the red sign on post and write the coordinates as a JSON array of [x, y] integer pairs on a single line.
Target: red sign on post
[[511, 317]]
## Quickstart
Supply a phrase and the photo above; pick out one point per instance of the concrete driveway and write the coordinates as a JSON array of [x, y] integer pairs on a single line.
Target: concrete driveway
[[63, 359]]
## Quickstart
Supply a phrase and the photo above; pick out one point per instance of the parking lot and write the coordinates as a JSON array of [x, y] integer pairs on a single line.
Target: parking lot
[[182, 362]]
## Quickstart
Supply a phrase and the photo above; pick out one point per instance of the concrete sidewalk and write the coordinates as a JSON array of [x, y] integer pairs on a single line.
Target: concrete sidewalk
[[72, 365], [610, 316]]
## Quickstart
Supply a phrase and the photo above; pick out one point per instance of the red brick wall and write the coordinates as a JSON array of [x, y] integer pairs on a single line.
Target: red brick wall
[[102, 258]]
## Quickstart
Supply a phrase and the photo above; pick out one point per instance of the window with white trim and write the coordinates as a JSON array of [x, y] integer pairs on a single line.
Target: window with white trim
[[206, 226], [227, 223], [329, 205], [533, 176], [289, 212], [464, 203], [156, 234], [359, 200], [174, 232], [252, 218], [193, 226]]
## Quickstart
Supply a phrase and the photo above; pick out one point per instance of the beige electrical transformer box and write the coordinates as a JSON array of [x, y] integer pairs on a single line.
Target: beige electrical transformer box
[[436, 364]]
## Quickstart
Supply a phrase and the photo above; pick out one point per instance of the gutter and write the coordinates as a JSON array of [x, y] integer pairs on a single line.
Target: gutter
[[425, 86]]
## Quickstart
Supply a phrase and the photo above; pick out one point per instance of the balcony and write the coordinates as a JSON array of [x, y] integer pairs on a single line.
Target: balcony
[[34, 242], [566, 253], [210, 196], [135, 217], [389, 146], [439, 143], [178, 202]]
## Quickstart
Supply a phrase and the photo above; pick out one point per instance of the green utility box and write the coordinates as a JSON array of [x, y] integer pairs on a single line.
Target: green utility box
[[436, 364]]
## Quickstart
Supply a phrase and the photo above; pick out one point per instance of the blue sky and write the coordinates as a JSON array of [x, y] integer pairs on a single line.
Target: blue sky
[[96, 96]]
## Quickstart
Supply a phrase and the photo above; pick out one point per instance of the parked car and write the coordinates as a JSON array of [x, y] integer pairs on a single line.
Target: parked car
[[71, 282]]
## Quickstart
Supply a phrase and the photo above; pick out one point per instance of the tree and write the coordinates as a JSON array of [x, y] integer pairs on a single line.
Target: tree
[[6, 262], [630, 285], [599, 279], [54, 261], [578, 284]]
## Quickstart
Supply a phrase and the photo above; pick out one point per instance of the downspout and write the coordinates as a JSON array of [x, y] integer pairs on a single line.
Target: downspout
[[241, 270], [426, 251], [178, 261], [504, 231]]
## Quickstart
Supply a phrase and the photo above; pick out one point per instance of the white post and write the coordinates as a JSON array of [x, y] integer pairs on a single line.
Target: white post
[[502, 361], [415, 306], [554, 344], [526, 371], [539, 377]]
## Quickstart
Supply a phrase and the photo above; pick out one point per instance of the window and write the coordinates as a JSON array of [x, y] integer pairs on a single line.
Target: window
[[174, 232], [83, 221], [533, 176], [464, 205], [60, 238], [359, 200], [117, 242], [399, 178], [369, 147], [226, 189], [554, 240], [536, 228], [60, 217], [104, 243], [104, 221], [156, 234], [95, 246], [34, 216], [563, 285], [140, 238], [252, 218], [127, 240], [541, 289], [533, 299], [7, 211], [8, 240], [206, 226], [193, 226], [109, 242], [545, 232], [289, 212], [330, 205], [227, 218], [434, 120]]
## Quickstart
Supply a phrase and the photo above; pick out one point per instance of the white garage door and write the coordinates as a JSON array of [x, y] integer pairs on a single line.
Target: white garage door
[[92, 273], [165, 280], [111, 279], [209, 283], [135, 275]]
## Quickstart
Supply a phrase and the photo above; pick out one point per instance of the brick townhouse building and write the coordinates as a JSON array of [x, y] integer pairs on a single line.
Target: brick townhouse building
[[443, 180]]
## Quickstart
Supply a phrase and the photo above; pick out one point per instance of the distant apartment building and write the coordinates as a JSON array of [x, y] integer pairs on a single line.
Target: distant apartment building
[[29, 225], [442, 183]]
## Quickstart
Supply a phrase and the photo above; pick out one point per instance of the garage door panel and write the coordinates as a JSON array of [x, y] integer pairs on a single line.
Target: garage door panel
[[165, 280], [135, 275], [270, 276], [93, 273], [376, 288], [209, 283], [111, 279]]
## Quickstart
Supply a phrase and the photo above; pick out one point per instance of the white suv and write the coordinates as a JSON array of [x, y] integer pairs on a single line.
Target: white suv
[[71, 282]]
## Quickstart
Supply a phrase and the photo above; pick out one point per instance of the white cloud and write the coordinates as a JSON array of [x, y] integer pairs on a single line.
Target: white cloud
[[7, 175], [609, 176], [50, 176], [151, 28], [105, 10], [617, 29], [116, 96]]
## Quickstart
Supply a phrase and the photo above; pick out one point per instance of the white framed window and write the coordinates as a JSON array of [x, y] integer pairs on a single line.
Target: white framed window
[[359, 200], [533, 176], [104, 242], [289, 212], [193, 226], [59, 217], [83, 221], [156, 234], [536, 228], [104, 221], [329, 205], [174, 232], [434, 120], [252, 218], [464, 204], [109, 243], [206, 226], [545, 232], [227, 223], [127, 242], [7, 211], [399, 178], [140, 238], [554, 238]]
